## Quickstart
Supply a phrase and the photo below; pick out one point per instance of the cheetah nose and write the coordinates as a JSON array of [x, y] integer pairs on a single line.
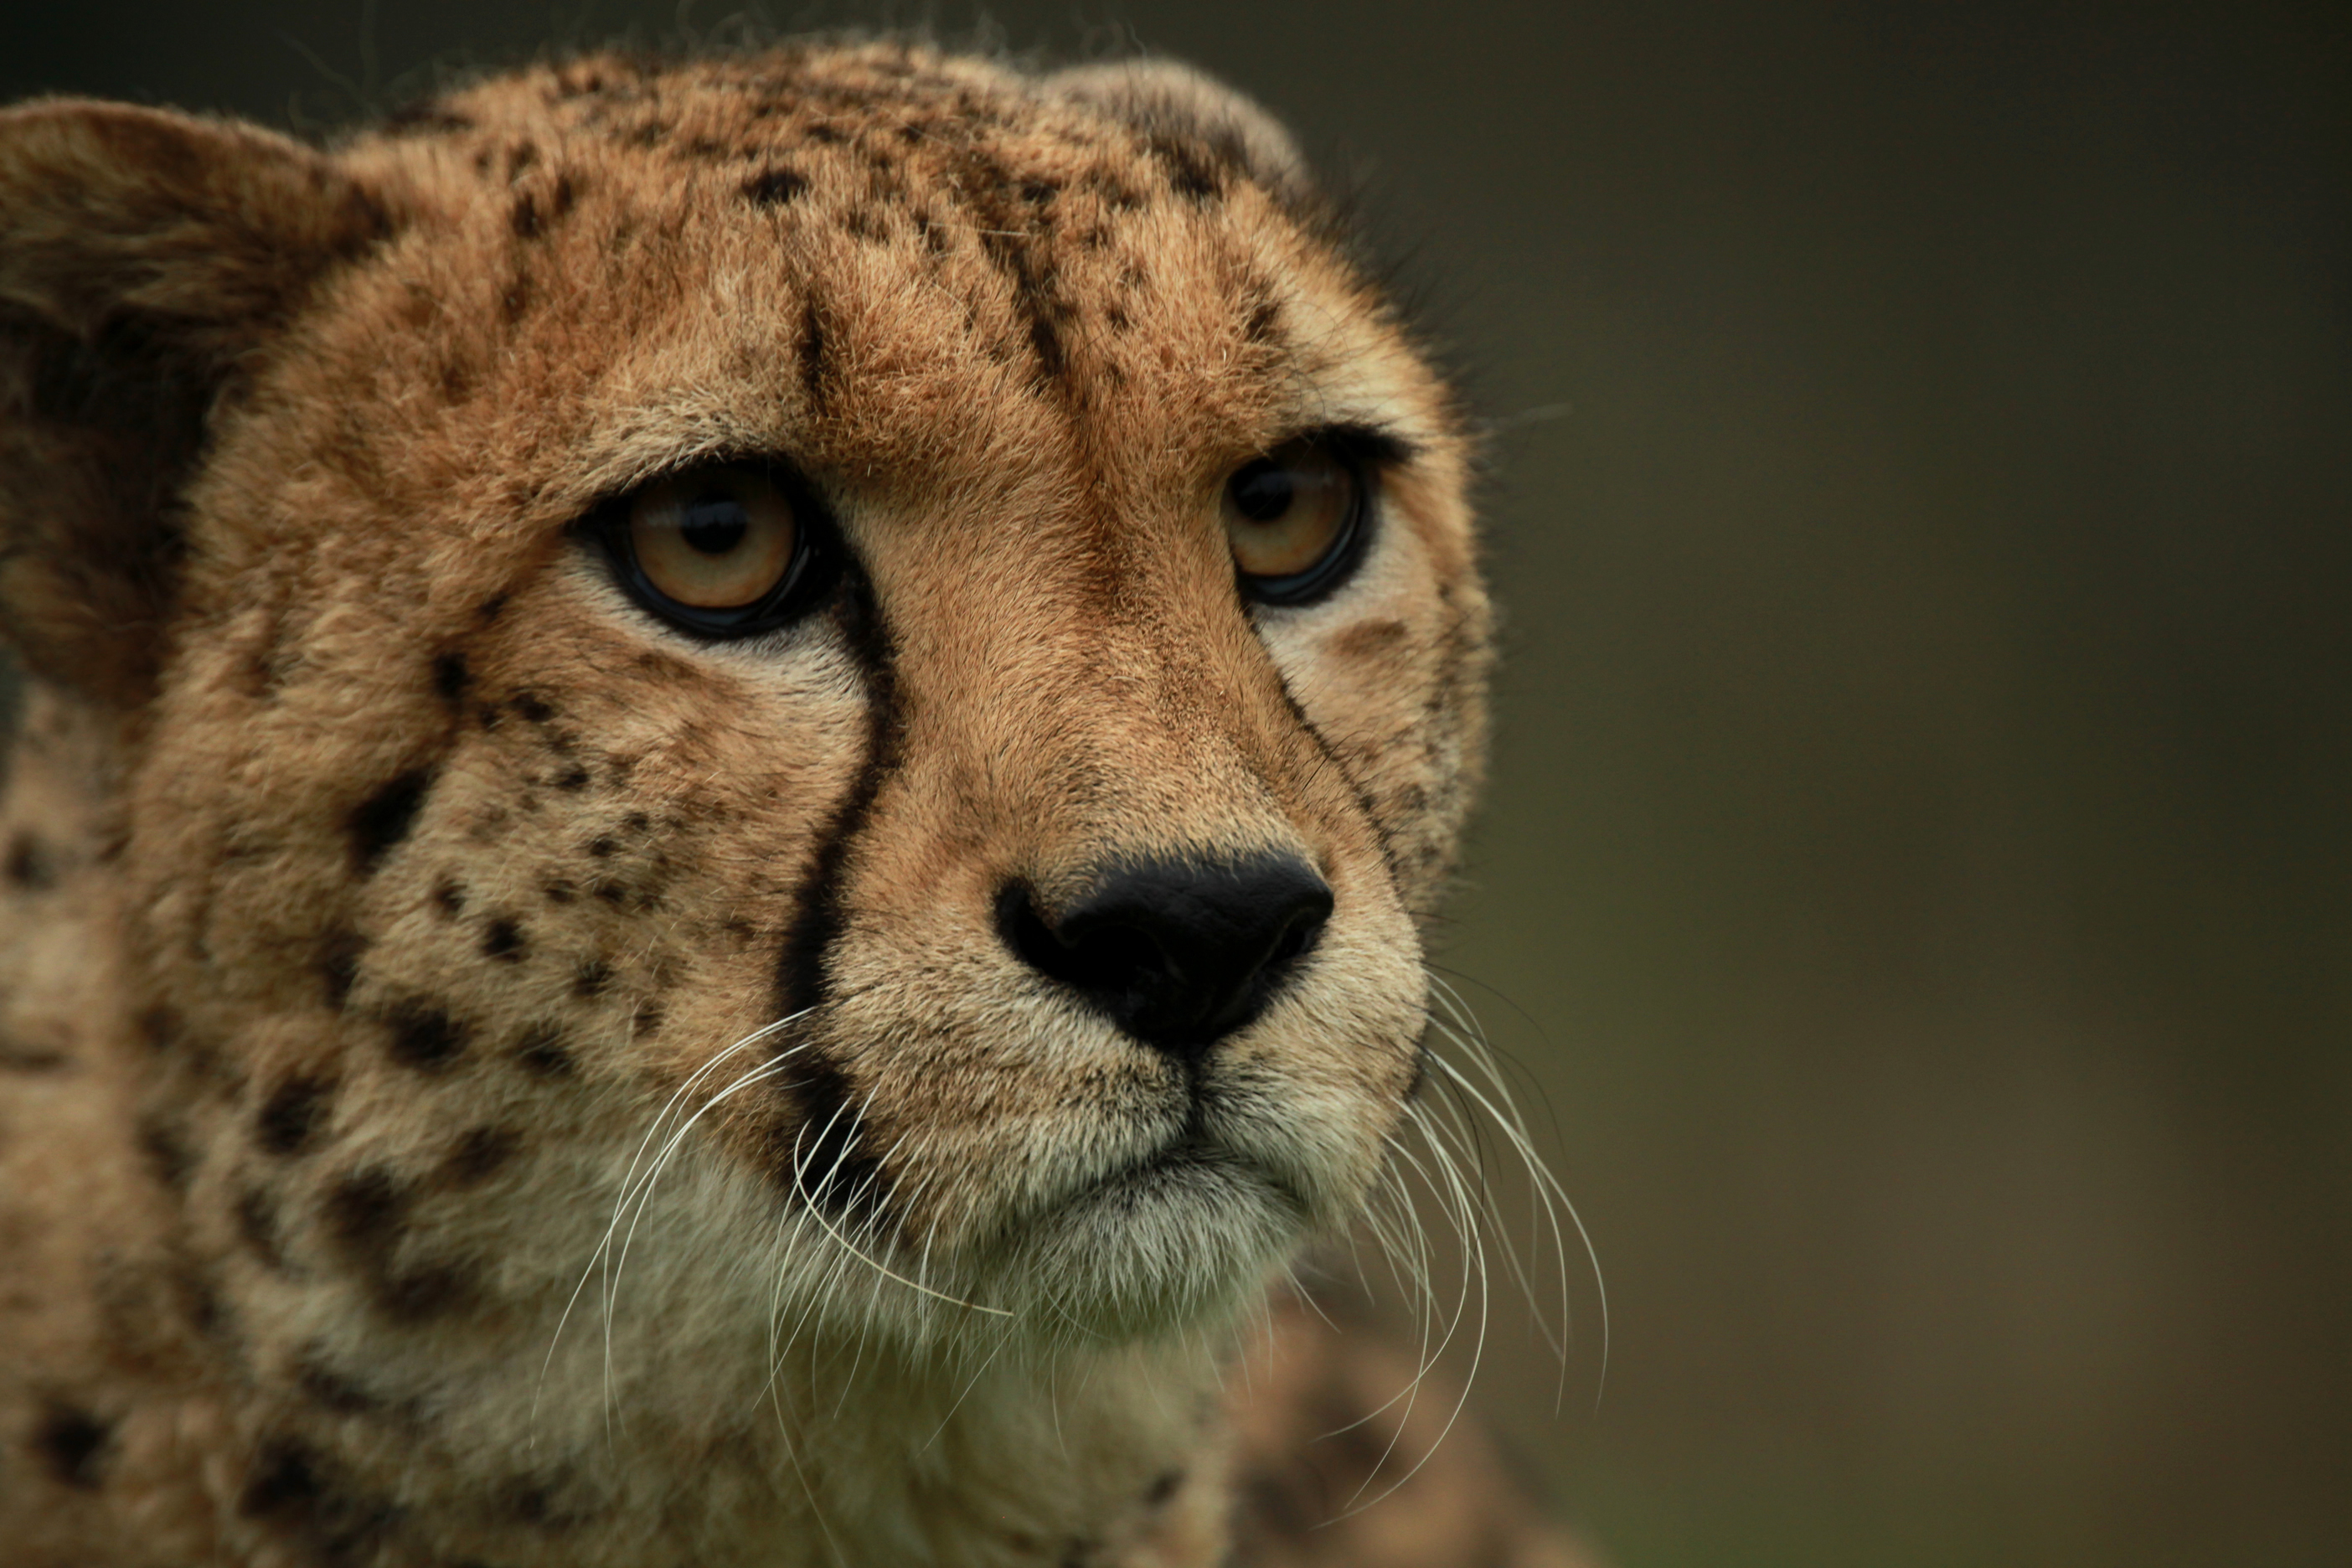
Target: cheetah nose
[[1177, 952]]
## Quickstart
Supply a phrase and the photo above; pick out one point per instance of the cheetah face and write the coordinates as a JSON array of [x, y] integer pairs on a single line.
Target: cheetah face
[[914, 679]]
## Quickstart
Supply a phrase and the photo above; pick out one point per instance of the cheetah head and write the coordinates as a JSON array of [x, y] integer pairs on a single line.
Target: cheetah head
[[825, 687]]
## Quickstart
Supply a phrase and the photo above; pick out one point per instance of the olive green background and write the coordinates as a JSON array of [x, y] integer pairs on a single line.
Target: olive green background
[[1915, 870]]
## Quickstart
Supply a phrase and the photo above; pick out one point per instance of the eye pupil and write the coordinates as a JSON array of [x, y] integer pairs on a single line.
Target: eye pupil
[[1263, 491], [714, 525]]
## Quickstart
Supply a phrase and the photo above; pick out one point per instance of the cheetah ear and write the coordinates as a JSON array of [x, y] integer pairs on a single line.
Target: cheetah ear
[[144, 257], [1166, 99]]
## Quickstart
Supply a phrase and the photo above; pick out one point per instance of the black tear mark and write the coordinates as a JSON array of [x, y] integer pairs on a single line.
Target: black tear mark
[[385, 817], [449, 675], [425, 1038], [821, 1147], [75, 1443], [503, 940], [775, 186], [29, 866], [542, 1053], [479, 1155], [293, 1114], [338, 964]]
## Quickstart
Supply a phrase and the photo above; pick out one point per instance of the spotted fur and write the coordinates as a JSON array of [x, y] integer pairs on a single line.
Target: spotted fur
[[487, 1079]]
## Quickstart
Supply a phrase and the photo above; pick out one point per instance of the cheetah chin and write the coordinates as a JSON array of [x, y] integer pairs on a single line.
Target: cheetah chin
[[728, 772]]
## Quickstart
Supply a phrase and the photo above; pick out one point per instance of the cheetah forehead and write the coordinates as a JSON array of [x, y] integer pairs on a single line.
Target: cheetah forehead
[[890, 262]]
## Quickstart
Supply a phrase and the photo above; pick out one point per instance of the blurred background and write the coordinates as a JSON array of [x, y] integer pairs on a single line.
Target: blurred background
[[1915, 878]]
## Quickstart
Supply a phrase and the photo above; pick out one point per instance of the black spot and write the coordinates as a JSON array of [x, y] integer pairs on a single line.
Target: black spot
[[591, 977], [542, 1053], [602, 845], [449, 896], [74, 1442], [257, 1221], [435, 1290], [572, 778], [1046, 340], [612, 891], [29, 865], [492, 607], [284, 1479], [489, 716], [338, 964], [648, 1021], [533, 707], [324, 1384], [163, 1140], [515, 303], [524, 217], [479, 1154], [560, 891], [1258, 327], [425, 1038], [522, 156], [1162, 1488], [16, 1057], [503, 940], [292, 1114], [365, 1212], [773, 186], [638, 822], [384, 818], [424, 119], [812, 353], [449, 675], [1192, 170], [160, 1028]]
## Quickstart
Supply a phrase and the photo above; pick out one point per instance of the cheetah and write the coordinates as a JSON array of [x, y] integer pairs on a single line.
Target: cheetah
[[728, 773]]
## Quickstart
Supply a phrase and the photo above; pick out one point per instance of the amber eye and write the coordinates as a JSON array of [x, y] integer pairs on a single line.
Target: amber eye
[[714, 539], [725, 549], [1293, 518]]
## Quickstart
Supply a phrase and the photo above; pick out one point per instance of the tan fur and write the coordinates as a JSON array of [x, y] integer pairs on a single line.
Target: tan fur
[[387, 887]]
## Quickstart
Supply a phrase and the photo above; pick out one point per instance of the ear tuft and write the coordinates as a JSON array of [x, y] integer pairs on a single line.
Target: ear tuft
[[143, 256], [1165, 99]]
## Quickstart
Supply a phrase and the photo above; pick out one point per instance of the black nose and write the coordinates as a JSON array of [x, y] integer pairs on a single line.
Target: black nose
[[1180, 953]]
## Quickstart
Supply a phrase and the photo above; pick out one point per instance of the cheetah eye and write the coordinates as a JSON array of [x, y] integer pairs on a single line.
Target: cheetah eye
[[721, 550], [1295, 520]]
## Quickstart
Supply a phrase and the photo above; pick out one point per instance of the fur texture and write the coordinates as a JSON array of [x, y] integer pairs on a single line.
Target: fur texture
[[486, 1078]]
